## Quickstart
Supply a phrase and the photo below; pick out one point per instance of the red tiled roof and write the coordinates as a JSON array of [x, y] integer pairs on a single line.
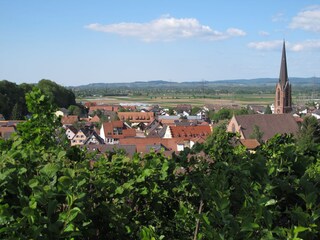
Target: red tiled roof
[[130, 132], [95, 119], [142, 143], [5, 132], [110, 126], [113, 108], [136, 116], [250, 143], [90, 104], [71, 119], [190, 131], [269, 124]]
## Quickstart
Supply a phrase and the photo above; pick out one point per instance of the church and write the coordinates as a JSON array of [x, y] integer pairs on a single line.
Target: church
[[282, 122], [283, 99]]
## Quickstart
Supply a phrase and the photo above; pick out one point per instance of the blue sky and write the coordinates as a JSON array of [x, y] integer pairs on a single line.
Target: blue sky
[[77, 42]]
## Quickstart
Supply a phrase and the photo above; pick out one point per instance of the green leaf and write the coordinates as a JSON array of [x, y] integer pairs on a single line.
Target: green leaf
[[69, 228], [52, 207], [146, 172], [6, 173], [33, 183], [270, 202], [206, 219], [164, 170], [27, 211], [61, 154], [299, 229], [22, 170], [249, 227], [50, 169], [33, 204], [119, 190], [73, 214], [65, 181], [144, 191]]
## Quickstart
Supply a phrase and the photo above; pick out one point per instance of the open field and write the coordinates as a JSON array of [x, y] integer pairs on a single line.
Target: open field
[[171, 101]]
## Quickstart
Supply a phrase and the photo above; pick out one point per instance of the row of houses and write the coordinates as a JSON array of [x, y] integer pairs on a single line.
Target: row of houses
[[142, 131]]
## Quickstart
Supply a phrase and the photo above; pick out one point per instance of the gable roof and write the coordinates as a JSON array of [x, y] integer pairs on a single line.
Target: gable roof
[[69, 120], [136, 116], [249, 144], [269, 124], [109, 127], [130, 150], [5, 132], [143, 143], [190, 131], [92, 134]]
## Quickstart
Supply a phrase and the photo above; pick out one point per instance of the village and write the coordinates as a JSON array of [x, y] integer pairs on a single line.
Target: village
[[135, 128]]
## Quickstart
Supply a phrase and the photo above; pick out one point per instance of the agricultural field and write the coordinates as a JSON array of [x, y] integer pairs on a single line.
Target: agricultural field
[[170, 101]]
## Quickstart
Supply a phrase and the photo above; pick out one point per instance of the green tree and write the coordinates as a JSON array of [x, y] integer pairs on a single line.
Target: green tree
[[268, 110], [309, 134], [57, 94], [12, 97], [216, 190], [257, 134]]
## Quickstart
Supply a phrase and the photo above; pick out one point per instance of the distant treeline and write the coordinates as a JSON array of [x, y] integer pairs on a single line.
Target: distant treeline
[[200, 88], [12, 97]]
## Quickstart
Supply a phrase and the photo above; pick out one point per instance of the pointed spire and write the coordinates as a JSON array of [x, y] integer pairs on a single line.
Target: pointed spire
[[283, 77]]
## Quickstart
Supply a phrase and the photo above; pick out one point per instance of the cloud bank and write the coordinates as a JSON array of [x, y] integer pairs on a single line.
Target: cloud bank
[[308, 20], [306, 45], [167, 29]]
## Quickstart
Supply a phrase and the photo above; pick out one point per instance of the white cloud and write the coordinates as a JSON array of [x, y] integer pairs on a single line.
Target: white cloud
[[308, 19], [306, 45], [296, 47], [166, 29], [264, 33], [266, 45], [279, 17]]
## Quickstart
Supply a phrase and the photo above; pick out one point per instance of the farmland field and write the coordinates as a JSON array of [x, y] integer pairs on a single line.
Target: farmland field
[[170, 101]]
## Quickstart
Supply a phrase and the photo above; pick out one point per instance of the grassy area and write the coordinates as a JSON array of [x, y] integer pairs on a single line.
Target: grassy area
[[171, 101]]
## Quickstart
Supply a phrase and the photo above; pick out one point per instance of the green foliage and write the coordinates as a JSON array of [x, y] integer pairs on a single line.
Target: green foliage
[[268, 110], [225, 113], [12, 101], [58, 95], [12, 97], [309, 134], [78, 110], [256, 134], [215, 190]]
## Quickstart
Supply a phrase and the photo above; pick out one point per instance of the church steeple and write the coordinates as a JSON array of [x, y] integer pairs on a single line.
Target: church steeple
[[283, 100], [283, 77]]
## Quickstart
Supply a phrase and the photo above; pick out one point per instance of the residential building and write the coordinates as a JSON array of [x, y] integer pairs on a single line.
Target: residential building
[[268, 125], [111, 132], [86, 136], [6, 131], [136, 117], [69, 120]]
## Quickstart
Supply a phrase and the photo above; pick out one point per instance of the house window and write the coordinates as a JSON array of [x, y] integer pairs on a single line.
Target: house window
[[233, 128], [278, 97]]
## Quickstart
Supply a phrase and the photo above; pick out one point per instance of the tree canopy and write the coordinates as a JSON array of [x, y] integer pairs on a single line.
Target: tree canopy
[[12, 97], [216, 190]]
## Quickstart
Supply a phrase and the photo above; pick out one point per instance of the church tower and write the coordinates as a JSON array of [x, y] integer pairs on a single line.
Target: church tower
[[283, 100]]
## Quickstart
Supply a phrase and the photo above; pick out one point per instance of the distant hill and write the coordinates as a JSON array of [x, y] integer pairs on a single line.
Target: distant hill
[[234, 82]]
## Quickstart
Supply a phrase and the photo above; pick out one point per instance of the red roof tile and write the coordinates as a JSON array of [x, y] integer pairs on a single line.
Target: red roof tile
[[69, 120], [136, 116], [190, 131]]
